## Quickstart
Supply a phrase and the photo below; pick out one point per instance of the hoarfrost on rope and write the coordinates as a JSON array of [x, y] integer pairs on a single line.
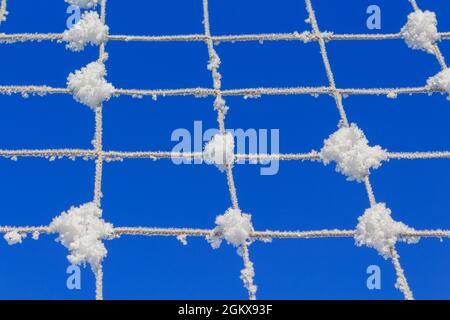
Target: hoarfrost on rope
[[247, 275], [440, 81], [420, 32], [350, 149], [86, 4], [220, 150], [81, 230], [3, 14], [376, 229], [14, 237], [89, 85], [233, 226], [89, 29]]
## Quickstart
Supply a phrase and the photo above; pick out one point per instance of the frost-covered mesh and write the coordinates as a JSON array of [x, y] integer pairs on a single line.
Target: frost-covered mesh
[[348, 147]]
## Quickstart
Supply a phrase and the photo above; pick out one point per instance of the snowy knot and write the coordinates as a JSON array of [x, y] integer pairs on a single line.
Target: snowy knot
[[14, 237], [89, 29], [86, 4], [420, 32], [89, 85], [81, 230], [440, 81], [233, 226], [376, 229], [350, 149], [220, 151]]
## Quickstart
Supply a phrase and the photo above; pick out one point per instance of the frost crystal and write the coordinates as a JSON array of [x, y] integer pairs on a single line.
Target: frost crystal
[[89, 85], [233, 226], [183, 239], [81, 230], [86, 4], [349, 148], [3, 14], [90, 29], [420, 32], [220, 150], [247, 275], [14, 237], [376, 229], [440, 81]]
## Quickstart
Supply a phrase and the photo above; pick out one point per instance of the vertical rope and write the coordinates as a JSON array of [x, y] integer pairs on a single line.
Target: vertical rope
[[248, 273], [99, 283], [402, 282], [369, 191], [3, 11], [323, 51], [99, 161], [98, 143], [401, 279], [248, 265]]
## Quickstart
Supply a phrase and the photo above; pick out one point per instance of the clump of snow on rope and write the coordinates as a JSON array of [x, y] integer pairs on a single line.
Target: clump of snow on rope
[[89, 85], [350, 149], [81, 230], [376, 229], [14, 237], [89, 29], [220, 150], [420, 32], [440, 81], [233, 226]]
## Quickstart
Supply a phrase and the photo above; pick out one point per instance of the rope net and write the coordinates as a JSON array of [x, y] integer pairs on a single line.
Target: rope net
[[101, 156]]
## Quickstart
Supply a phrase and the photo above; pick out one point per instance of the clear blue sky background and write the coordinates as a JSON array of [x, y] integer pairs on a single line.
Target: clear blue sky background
[[303, 196]]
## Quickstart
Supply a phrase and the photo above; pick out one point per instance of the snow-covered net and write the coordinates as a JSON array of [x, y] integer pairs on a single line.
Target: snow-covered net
[[82, 229]]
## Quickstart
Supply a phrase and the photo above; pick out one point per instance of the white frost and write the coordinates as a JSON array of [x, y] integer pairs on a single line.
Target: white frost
[[14, 237], [81, 230], [350, 149], [420, 32], [376, 229], [233, 226], [89, 29], [86, 4], [89, 85], [3, 14], [440, 81], [183, 239], [220, 150]]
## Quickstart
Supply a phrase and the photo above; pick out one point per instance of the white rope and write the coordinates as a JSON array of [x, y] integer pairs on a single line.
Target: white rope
[[255, 235], [402, 282], [292, 36], [98, 142], [200, 92], [401, 278], [216, 78], [3, 10], [54, 154]]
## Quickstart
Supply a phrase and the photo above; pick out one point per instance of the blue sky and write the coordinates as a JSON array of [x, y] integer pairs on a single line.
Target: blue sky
[[302, 196]]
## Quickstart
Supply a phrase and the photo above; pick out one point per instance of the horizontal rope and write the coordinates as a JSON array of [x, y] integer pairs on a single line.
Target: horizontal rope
[[292, 36], [326, 233], [114, 155], [249, 92]]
